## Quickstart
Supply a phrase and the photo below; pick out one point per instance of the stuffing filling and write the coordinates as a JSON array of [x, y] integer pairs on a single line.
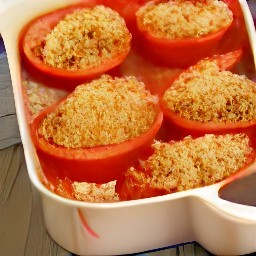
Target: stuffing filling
[[86, 38], [102, 112], [207, 94], [193, 163], [180, 19]]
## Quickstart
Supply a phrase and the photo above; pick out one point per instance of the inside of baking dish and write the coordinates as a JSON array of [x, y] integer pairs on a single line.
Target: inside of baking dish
[[38, 96]]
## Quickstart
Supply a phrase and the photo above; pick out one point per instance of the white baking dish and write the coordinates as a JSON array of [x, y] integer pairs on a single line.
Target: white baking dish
[[198, 215]]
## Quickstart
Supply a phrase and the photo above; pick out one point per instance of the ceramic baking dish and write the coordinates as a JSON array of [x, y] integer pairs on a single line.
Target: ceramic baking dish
[[220, 226]]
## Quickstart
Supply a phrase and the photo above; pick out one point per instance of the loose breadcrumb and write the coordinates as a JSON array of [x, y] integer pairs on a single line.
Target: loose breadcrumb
[[102, 112], [179, 19], [205, 93], [41, 97], [193, 163], [92, 192], [86, 38]]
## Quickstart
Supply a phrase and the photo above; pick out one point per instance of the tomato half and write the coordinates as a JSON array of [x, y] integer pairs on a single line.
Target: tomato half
[[99, 164], [180, 53], [136, 182], [33, 36], [183, 126]]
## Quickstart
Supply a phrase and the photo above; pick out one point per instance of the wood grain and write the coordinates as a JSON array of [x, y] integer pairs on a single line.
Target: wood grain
[[9, 131], [22, 230]]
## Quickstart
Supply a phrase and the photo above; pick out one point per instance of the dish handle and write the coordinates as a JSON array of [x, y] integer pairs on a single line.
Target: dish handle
[[236, 210]]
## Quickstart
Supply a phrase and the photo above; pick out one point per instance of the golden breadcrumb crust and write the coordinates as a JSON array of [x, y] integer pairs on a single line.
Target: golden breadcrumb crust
[[102, 112], [179, 19], [86, 38]]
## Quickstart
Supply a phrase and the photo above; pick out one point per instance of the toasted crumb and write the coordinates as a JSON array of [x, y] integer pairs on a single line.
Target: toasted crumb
[[179, 19], [206, 93], [103, 112], [193, 163], [41, 97], [92, 192], [86, 38]]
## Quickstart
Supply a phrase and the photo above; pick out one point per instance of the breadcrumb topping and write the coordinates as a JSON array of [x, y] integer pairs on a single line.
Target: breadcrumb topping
[[193, 163], [179, 19], [86, 38], [92, 192], [102, 112], [205, 93]]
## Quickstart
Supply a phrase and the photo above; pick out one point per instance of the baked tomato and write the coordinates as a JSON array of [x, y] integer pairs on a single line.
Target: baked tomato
[[223, 103], [181, 165], [99, 164], [161, 42], [33, 43]]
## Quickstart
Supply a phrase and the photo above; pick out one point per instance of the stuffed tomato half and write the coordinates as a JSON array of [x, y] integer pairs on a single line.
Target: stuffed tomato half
[[186, 164], [74, 44], [98, 131], [179, 33], [207, 98]]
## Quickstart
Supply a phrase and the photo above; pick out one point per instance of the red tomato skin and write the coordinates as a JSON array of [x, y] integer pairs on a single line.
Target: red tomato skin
[[34, 33], [228, 60], [234, 6], [179, 53], [97, 165], [178, 128]]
